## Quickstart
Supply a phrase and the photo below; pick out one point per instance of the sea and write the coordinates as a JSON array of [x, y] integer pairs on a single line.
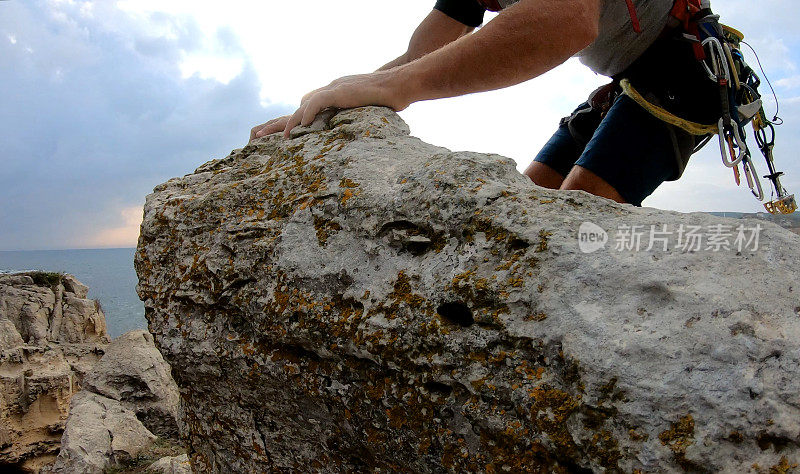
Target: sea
[[108, 273]]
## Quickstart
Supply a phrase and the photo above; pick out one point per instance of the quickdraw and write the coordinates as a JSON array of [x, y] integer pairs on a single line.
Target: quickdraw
[[716, 46]]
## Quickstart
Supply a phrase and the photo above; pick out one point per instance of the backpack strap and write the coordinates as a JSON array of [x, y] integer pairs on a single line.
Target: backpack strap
[[634, 17], [685, 12]]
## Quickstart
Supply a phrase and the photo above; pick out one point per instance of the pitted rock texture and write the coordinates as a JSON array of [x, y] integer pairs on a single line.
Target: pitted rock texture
[[50, 337], [354, 299]]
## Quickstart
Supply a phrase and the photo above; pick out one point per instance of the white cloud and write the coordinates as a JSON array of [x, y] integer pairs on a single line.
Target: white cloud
[[219, 68], [92, 122], [124, 233], [791, 82]]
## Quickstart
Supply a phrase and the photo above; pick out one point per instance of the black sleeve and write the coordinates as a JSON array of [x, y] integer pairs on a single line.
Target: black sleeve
[[468, 12]]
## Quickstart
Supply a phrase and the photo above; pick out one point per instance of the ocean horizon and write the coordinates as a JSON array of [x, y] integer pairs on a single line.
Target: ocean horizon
[[108, 273]]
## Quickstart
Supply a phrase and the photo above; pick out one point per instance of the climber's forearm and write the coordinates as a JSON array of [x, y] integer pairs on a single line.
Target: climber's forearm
[[435, 31], [522, 42]]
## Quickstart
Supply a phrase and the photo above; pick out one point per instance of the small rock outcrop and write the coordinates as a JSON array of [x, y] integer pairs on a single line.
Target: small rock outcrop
[[129, 399], [171, 465], [134, 373], [99, 434], [50, 337], [354, 299]]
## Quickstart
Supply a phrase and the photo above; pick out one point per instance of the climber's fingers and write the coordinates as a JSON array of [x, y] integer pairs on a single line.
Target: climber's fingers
[[294, 120], [271, 126], [344, 93], [318, 102]]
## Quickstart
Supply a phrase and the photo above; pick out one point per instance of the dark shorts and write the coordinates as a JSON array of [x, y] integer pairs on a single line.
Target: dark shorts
[[626, 146], [630, 149]]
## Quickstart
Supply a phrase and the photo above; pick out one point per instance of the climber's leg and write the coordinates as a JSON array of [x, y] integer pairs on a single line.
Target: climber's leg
[[554, 162], [544, 175], [583, 179], [630, 154]]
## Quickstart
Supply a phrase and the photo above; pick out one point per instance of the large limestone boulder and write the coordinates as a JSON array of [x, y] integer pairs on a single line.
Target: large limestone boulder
[[354, 299], [133, 372], [50, 337]]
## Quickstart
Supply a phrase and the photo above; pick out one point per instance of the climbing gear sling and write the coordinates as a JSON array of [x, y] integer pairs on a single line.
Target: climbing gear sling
[[716, 46]]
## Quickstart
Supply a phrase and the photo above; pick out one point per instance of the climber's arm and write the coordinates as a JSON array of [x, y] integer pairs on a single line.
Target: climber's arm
[[435, 31], [522, 42]]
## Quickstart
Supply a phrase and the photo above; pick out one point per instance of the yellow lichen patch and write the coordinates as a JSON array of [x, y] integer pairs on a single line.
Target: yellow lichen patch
[[348, 194], [348, 183], [325, 228], [604, 448], [294, 149], [487, 227], [303, 205], [544, 235], [529, 372], [479, 186], [678, 437], [538, 317], [783, 467], [347, 136], [462, 278], [509, 262], [636, 436], [402, 297], [499, 357], [549, 413]]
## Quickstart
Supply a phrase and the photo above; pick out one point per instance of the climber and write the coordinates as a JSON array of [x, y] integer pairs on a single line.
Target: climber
[[609, 146]]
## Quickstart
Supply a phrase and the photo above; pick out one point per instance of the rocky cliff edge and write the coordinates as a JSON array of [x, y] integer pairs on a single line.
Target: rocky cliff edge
[[51, 335]]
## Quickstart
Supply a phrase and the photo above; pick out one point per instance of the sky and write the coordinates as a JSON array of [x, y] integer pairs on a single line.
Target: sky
[[103, 100]]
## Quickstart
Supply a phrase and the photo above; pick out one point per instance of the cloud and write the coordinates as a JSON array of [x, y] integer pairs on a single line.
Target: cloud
[[791, 82], [94, 118], [121, 236]]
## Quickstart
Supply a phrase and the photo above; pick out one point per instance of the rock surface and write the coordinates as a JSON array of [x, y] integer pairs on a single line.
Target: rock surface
[[171, 465], [50, 337], [355, 299], [129, 398], [133, 372], [100, 433]]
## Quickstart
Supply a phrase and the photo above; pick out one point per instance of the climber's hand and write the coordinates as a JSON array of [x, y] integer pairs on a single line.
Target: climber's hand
[[378, 88], [272, 126]]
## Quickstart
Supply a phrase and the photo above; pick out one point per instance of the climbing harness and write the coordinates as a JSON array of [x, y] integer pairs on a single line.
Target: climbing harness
[[716, 46]]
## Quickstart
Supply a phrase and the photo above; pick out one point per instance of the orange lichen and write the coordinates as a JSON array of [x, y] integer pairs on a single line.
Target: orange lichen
[[678, 437]]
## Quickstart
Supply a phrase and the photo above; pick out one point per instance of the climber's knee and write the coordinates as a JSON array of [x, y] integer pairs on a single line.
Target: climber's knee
[[585, 180], [543, 175]]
